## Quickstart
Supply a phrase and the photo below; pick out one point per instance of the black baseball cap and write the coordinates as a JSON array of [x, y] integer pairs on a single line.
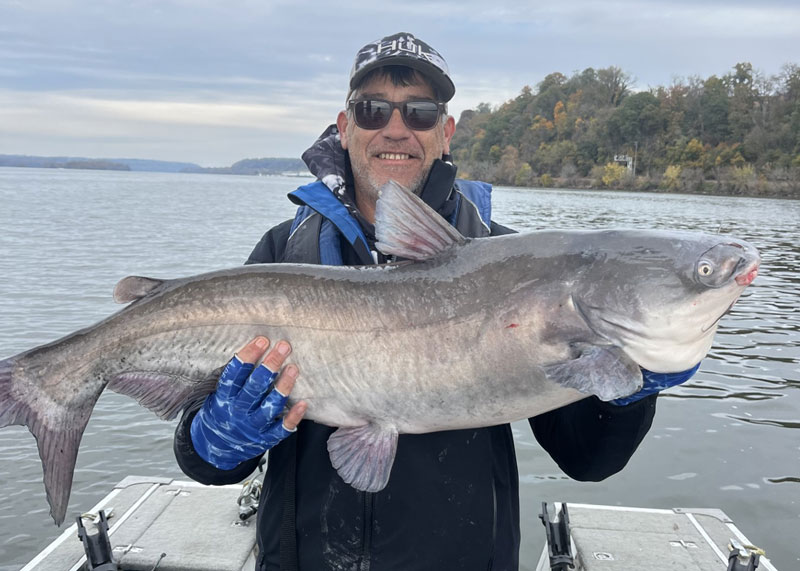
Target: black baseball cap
[[405, 50]]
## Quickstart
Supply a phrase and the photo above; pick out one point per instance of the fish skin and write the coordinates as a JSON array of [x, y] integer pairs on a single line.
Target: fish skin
[[534, 322]]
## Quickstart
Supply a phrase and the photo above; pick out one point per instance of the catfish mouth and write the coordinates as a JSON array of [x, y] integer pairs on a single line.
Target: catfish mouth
[[745, 278]]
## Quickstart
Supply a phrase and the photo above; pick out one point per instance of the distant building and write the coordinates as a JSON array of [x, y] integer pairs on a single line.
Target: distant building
[[626, 160]]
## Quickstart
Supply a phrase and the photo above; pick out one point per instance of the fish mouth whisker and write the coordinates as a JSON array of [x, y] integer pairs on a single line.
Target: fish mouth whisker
[[709, 327]]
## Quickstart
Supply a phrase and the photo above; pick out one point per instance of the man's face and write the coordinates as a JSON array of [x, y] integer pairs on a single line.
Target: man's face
[[394, 152]]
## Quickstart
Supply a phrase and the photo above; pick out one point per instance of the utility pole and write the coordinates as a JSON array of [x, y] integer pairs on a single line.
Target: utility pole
[[635, 148]]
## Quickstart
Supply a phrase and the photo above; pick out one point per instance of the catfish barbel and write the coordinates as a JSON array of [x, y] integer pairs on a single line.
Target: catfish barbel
[[522, 324]]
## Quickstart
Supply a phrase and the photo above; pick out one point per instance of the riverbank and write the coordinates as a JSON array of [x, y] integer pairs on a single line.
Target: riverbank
[[759, 188]]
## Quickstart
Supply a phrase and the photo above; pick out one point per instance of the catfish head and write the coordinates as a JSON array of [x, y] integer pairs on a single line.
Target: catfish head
[[660, 295]]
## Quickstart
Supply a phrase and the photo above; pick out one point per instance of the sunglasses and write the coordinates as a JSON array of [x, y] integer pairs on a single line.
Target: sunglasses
[[374, 114]]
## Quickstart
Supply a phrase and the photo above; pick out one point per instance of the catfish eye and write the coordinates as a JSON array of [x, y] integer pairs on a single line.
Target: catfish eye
[[705, 269]]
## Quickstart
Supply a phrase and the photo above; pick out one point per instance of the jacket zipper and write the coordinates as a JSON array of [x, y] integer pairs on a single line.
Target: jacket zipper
[[494, 525], [366, 544]]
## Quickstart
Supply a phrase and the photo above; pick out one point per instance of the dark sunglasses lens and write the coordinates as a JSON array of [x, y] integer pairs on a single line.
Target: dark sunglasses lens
[[375, 114], [372, 114], [421, 115]]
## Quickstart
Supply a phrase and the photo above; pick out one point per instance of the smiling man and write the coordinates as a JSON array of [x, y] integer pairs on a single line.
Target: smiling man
[[383, 145], [453, 499]]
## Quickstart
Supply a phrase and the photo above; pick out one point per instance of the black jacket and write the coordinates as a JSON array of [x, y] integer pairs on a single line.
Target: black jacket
[[452, 501]]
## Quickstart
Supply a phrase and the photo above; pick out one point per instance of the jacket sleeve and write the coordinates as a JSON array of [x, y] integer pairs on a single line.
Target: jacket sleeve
[[269, 249], [591, 440], [198, 469]]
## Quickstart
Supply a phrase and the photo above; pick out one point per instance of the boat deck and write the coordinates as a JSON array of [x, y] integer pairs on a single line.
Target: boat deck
[[163, 524], [171, 525]]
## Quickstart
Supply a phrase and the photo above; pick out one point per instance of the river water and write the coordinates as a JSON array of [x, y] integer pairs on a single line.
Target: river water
[[729, 439]]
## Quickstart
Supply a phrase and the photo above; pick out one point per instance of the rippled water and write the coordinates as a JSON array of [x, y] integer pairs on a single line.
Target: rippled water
[[728, 439]]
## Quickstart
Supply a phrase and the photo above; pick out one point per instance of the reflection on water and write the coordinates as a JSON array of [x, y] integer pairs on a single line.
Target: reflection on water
[[726, 439]]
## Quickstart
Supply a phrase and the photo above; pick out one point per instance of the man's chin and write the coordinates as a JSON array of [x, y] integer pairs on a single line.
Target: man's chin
[[414, 184]]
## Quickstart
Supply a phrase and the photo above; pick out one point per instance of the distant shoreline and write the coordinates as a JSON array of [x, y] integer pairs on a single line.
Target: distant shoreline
[[214, 171], [706, 187], [258, 166], [643, 184]]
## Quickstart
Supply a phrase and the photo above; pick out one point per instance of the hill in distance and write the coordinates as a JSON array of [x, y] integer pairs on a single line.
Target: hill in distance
[[263, 166]]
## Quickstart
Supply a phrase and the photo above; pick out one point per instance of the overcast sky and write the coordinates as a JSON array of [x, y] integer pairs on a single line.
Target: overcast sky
[[213, 82]]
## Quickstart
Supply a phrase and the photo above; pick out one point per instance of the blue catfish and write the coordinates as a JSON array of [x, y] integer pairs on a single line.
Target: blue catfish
[[460, 333]]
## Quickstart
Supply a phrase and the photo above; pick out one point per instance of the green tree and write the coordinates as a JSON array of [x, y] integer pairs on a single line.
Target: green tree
[[495, 154], [615, 84], [639, 120], [714, 111], [524, 175], [508, 166], [743, 97]]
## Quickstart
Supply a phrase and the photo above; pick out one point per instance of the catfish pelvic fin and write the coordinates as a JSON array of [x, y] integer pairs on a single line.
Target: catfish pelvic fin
[[132, 288], [363, 455], [407, 227]]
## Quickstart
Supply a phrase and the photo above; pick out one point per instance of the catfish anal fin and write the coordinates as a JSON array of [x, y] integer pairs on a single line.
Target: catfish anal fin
[[363, 455], [163, 393]]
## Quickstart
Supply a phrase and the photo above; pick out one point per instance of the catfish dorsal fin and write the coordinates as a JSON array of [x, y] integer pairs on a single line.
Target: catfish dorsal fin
[[407, 227], [134, 287]]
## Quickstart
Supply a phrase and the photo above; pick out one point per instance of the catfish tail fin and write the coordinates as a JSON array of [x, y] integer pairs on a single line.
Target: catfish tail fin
[[56, 423], [10, 409]]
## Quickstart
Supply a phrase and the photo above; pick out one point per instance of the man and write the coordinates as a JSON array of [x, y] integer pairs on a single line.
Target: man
[[452, 499]]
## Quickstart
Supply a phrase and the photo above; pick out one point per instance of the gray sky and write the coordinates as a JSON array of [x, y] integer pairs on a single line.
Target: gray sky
[[213, 82]]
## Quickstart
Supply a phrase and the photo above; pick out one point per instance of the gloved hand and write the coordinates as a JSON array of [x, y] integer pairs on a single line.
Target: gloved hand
[[656, 382], [242, 418]]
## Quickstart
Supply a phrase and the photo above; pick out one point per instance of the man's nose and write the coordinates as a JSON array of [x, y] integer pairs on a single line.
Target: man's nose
[[396, 127]]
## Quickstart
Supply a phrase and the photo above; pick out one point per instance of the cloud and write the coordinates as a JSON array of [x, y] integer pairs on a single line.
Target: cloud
[[259, 77], [219, 132]]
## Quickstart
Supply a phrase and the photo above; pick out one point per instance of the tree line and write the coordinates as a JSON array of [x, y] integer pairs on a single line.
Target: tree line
[[734, 134]]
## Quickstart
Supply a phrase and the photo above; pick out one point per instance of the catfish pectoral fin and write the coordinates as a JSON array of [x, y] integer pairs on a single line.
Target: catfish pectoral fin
[[363, 455], [604, 371]]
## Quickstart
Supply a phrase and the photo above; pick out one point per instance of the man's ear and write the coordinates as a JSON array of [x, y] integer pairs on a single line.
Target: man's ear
[[449, 131], [341, 124]]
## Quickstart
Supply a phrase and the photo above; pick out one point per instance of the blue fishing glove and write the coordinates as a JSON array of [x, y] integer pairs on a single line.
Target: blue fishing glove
[[656, 382], [238, 422]]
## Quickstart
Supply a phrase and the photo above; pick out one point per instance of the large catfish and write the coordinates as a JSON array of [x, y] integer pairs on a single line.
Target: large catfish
[[465, 333]]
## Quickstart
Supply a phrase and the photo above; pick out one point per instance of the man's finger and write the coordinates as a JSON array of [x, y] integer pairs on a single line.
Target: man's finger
[[285, 382], [275, 358], [295, 415], [253, 351]]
